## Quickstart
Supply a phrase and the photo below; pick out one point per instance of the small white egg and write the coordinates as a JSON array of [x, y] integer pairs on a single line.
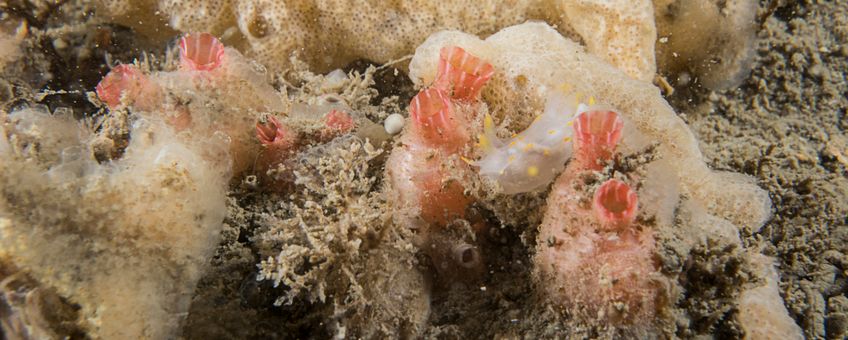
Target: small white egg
[[394, 123]]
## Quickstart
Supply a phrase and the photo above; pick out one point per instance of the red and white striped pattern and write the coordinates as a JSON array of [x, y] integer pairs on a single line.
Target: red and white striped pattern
[[465, 72], [201, 52], [596, 134], [431, 108]]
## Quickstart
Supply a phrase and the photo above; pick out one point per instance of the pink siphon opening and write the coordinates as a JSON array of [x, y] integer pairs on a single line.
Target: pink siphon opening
[[615, 204], [201, 52], [433, 116], [464, 71], [596, 134], [273, 133], [121, 80]]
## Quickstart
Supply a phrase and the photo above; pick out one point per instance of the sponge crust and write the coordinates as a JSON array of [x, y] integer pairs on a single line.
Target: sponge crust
[[532, 58], [329, 34]]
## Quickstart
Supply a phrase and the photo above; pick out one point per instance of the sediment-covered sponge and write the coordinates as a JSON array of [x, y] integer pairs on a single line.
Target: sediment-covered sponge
[[761, 310], [711, 41], [125, 240], [215, 90], [533, 58], [331, 33], [616, 31], [679, 196]]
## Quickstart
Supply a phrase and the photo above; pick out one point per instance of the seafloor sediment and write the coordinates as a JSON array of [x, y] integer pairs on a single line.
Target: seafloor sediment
[[784, 125]]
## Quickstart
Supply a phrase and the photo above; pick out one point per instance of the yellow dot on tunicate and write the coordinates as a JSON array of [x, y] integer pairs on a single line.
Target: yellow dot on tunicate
[[532, 171], [546, 152], [488, 123], [537, 118], [565, 87], [566, 139], [513, 143], [591, 100], [550, 132], [521, 138], [570, 123], [528, 147], [483, 141], [510, 159]]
